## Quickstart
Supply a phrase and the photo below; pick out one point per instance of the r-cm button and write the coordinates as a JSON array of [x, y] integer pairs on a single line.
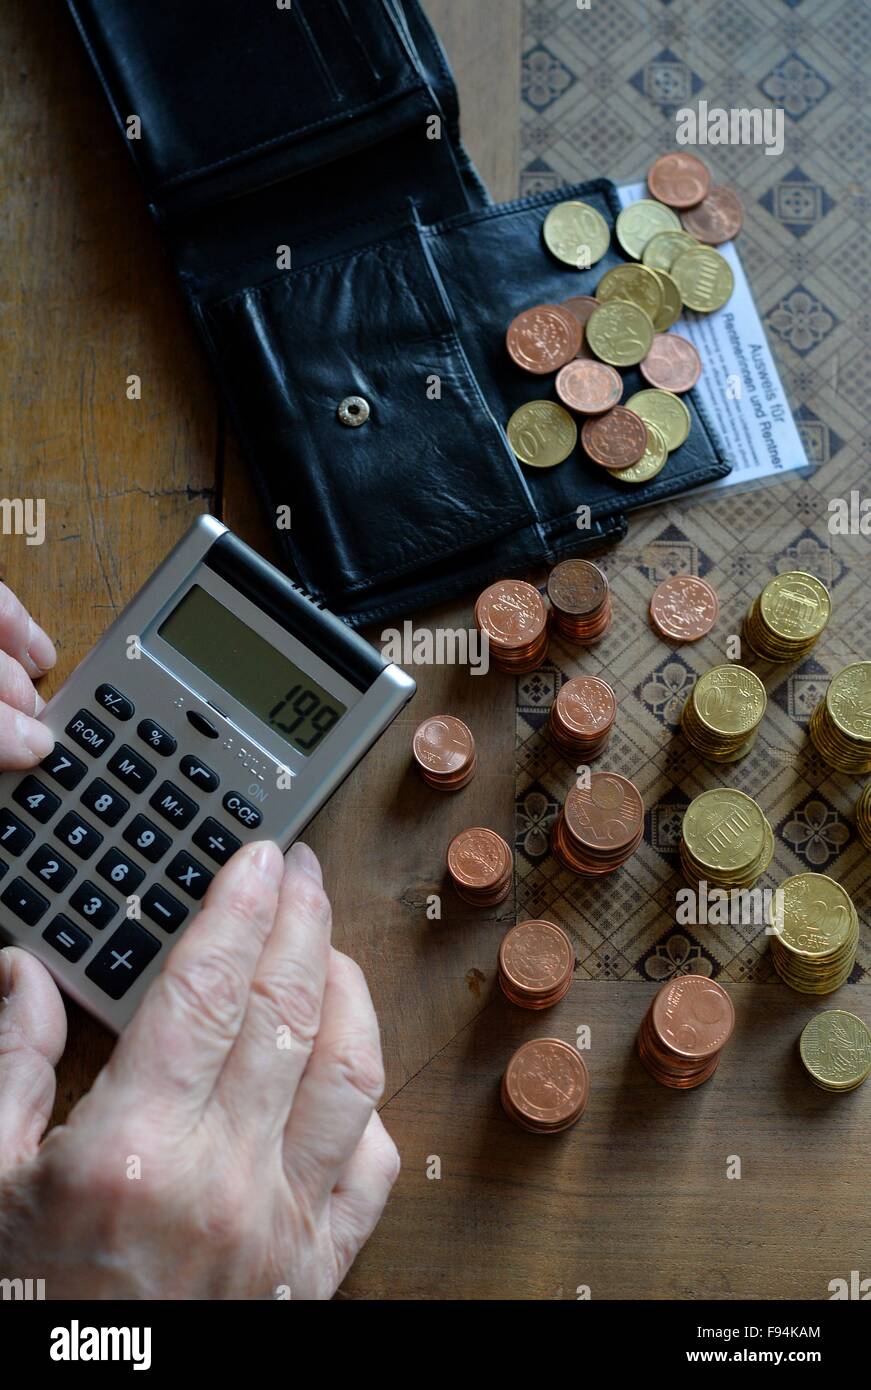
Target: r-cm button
[[242, 810], [89, 733]]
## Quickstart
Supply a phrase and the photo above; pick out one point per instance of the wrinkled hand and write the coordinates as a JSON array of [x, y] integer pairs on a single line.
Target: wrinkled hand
[[230, 1148], [26, 653]]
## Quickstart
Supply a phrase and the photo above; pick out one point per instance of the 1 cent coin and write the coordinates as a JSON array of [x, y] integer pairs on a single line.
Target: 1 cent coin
[[589, 387], [615, 440], [542, 339], [442, 744], [672, 364], [694, 1016]]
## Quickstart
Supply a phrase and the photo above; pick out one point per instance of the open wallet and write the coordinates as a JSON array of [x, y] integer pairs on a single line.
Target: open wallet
[[333, 240]]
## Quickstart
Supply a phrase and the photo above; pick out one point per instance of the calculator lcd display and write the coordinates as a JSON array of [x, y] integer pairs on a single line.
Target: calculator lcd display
[[250, 669]]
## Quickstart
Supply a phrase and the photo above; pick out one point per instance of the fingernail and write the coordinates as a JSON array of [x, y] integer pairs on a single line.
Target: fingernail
[[305, 858], [266, 859], [37, 739], [5, 974], [40, 648]]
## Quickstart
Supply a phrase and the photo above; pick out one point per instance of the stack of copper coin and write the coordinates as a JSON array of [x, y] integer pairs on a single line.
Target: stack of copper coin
[[863, 816], [480, 864], [600, 826], [513, 615], [840, 726], [536, 964], [580, 601], [444, 751], [582, 717], [545, 1086], [685, 1030]]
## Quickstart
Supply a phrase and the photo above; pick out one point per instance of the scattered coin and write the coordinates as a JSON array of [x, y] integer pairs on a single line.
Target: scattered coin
[[704, 279], [577, 234], [672, 364], [672, 303], [716, 219], [638, 222], [582, 306], [542, 434], [615, 440], [663, 249], [542, 339], [588, 387], [545, 1086], [665, 410], [444, 751], [620, 333], [652, 461], [684, 608], [634, 283], [679, 180]]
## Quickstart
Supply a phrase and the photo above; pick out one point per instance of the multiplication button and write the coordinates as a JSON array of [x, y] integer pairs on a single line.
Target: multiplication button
[[123, 959], [187, 873]]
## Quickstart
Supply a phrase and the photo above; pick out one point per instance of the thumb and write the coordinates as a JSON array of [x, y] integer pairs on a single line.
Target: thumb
[[33, 1031]]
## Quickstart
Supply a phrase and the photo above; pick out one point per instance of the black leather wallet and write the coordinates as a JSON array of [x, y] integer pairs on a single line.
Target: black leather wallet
[[333, 240]]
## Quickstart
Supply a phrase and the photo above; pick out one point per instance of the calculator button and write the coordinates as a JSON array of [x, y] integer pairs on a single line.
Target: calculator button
[[145, 837], [108, 805], [130, 769], [24, 901], [163, 908], [198, 773], [158, 740], [217, 842], [242, 810], [112, 700], [4, 868], [93, 904], [67, 938], [188, 874], [82, 838], [122, 959], [89, 733], [15, 836], [36, 798], [51, 868], [64, 767], [116, 868], [202, 724], [173, 805]]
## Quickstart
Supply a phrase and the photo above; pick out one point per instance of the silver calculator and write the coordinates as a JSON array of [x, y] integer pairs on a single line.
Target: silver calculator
[[223, 705]]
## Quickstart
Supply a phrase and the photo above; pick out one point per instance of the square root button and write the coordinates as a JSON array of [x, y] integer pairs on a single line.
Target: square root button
[[123, 959]]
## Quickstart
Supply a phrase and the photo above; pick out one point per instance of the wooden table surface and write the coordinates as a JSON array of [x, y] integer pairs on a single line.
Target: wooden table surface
[[635, 1201]]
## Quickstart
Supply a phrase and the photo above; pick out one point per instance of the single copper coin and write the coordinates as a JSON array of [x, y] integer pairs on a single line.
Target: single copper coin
[[717, 218], [512, 613], [615, 440], [442, 744], [543, 339], [578, 587], [679, 180], [478, 858], [546, 1085], [672, 364], [607, 815], [693, 1016], [587, 706], [582, 306], [684, 608], [589, 387]]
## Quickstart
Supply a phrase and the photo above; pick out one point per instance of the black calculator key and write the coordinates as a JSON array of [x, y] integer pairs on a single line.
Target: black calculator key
[[81, 838], [54, 871], [173, 805], [108, 805], [67, 938], [163, 908], [93, 904], [242, 810], [36, 799], [130, 769], [158, 740], [217, 842], [116, 868], [187, 873], [15, 836], [24, 901], [198, 773], [122, 959], [64, 767], [112, 700], [202, 725], [146, 837], [4, 868], [89, 733]]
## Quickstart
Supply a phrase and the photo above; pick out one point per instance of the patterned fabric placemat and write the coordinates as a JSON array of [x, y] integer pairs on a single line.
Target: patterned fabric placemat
[[600, 89]]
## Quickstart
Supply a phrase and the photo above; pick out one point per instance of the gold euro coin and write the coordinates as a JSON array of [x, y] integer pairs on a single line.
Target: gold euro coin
[[652, 461], [619, 333], [835, 1047], [863, 815], [542, 434], [671, 302], [704, 279], [665, 410], [817, 915], [662, 250], [638, 222], [848, 702], [724, 831], [729, 701], [576, 234], [634, 283], [795, 607]]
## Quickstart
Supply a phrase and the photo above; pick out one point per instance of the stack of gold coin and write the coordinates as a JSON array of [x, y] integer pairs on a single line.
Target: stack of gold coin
[[481, 865], [444, 751], [536, 964], [813, 949], [785, 620], [580, 601], [685, 1030], [582, 717], [723, 712], [835, 1048], [863, 816], [726, 840], [840, 725], [513, 614], [545, 1086], [600, 826]]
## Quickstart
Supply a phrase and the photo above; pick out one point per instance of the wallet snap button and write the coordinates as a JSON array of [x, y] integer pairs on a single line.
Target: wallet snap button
[[354, 411]]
